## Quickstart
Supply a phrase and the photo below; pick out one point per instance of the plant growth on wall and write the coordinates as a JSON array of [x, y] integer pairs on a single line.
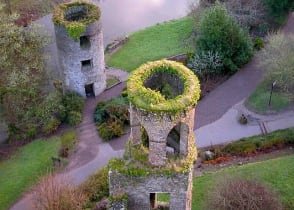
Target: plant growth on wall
[[86, 13]]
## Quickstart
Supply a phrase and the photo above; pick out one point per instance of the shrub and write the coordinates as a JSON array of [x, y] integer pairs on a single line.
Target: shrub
[[55, 193], [72, 108], [110, 130], [219, 32], [206, 64], [278, 61], [68, 141], [278, 9], [242, 194], [258, 43], [241, 147], [50, 126], [96, 187], [74, 118]]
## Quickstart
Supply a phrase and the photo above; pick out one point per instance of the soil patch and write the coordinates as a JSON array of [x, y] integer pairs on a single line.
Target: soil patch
[[200, 168]]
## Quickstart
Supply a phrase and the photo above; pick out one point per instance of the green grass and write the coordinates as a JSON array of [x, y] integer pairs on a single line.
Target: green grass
[[259, 99], [277, 173], [111, 80], [24, 168], [153, 43]]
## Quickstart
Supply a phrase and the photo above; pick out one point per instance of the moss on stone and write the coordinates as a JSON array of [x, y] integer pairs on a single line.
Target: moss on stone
[[152, 100], [76, 26], [135, 162]]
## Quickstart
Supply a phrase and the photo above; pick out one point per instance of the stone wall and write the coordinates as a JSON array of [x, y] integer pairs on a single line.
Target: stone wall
[[158, 126], [138, 189], [71, 55]]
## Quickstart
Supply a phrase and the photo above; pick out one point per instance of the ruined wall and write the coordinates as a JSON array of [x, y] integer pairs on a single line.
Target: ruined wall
[[139, 188], [158, 126], [71, 54]]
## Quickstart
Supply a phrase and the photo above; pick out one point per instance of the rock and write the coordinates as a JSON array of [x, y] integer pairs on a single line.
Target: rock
[[208, 155], [170, 151]]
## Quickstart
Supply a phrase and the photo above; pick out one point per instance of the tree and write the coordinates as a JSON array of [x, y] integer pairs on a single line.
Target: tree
[[220, 33], [277, 58], [22, 76]]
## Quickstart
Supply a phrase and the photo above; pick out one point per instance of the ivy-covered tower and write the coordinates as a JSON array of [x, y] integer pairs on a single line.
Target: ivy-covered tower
[[79, 42], [161, 150]]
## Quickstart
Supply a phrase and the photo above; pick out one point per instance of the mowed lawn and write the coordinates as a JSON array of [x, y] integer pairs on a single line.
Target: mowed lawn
[[23, 169], [276, 173], [156, 42]]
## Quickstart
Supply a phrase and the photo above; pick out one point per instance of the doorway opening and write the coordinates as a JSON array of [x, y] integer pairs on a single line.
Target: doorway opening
[[89, 90]]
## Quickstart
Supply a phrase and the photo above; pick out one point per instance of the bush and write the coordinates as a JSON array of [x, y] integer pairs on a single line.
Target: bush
[[206, 64], [241, 147], [95, 188], [277, 58], [72, 108], [68, 141], [111, 116], [219, 32], [50, 126], [258, 43], [242, 194], [278, 9], [74, 118], [55, 193], [110, 130]]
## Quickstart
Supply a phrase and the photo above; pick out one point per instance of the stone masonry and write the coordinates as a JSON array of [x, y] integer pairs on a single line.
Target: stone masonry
[[166, 131], [82, 61]]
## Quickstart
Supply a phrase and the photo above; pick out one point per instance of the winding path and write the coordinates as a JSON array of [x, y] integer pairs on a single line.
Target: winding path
[[92, 153]]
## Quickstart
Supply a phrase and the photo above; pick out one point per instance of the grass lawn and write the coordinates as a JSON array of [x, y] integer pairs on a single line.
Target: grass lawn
[[159, 41], [259, 99], [24, 168], [277, 173]]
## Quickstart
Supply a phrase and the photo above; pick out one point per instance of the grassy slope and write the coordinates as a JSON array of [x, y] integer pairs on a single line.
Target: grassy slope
[[152, 43], [278, 173], [258, 100], [22, 170]]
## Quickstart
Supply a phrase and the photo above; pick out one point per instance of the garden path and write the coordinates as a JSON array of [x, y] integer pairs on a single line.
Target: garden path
[[215, 106]]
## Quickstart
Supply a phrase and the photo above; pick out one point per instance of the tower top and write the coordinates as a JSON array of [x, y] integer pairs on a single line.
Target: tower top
[[76, 16]]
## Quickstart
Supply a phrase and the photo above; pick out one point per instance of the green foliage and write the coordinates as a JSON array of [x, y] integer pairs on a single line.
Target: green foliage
[[206, 64], [148, 99], [110, 130], [73, 105], [278, 60], [156, 42], [278, 9], [76, 28], [22, 170], [51, 125], [68, 142], [111, 117], [277, 139], [258, 43], [96, 186], [74, 118], [218, 32]]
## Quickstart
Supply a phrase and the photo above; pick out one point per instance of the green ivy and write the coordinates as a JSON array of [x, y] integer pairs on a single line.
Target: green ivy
[[151, 100], [76, 28]]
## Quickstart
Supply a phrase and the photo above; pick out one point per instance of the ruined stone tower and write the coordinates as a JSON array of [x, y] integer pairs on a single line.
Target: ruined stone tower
[[160, 153], [79, 42]]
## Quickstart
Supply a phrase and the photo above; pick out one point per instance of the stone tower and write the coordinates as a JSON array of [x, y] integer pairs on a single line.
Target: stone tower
[[161, 150], [79, 43]]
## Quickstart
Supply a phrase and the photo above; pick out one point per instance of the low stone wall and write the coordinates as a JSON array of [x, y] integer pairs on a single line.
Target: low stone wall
[[138, 189]]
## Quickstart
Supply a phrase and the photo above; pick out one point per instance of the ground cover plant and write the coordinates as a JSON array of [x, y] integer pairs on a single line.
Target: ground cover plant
[[23, 168], [159, 41], [112, 117]]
